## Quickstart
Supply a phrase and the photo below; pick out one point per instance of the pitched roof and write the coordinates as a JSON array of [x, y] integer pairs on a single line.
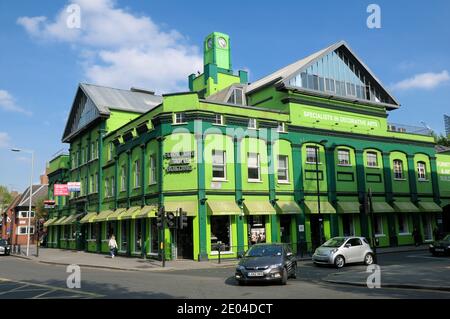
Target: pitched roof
[[223, 95], [441, 148], [282, 76], [105, 99], [38, 191]]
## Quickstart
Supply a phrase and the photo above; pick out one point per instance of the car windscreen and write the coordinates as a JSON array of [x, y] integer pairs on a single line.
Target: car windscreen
[[3, 242], [263, 251], [334, 242]]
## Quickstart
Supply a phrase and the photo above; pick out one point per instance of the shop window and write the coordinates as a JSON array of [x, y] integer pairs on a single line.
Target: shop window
[[154, 247], [344, 157], [218, 164], [379, 225], [221, 233], [421, 171], [152, 169], [398, 169], [311, 154], [257, 229], [124, 236], [372, 159], [403, 227], [138, 236], [253, 167], [283, 169], [348, 225]]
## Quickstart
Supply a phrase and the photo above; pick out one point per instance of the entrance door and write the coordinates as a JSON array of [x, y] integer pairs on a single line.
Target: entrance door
[[445, 220], [427, 222], [315, 224], [285, 228], [256, 229], [183, 239]]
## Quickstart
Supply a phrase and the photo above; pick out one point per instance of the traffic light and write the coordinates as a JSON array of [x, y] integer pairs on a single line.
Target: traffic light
[[170, 220], [160, 217], [183, 220]]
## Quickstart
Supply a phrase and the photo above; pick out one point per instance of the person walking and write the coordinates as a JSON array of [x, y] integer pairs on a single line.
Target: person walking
[[416, 236], [112, 246]]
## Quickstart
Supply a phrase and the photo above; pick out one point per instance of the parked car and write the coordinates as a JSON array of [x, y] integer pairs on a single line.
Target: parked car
[[266, 262], [441, 247], [5, 247], [339, 251]]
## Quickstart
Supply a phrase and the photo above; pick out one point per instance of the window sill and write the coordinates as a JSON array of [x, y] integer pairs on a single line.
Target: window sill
[[282, 132], [152, 184], [253, 128], [216, 124], [400, 179], [284, 182], [374, 167], [313, 163], [219, 180], [216, 253], [345, 165], [404, 234], [183, 123], [254, 181], [423, 180], [380, 235]]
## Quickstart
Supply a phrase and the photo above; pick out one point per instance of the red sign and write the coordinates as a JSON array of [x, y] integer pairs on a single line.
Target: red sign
[[60, 190]]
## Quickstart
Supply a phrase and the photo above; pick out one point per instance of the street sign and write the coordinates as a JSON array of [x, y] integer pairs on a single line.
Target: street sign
[[301, 228], [74, 186], [60, 190]]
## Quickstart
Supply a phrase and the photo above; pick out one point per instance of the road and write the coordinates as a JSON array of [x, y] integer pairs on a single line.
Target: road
[[25, 279]]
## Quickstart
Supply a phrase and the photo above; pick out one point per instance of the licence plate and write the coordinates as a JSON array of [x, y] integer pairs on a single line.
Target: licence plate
[[439, 249], [256, 274]]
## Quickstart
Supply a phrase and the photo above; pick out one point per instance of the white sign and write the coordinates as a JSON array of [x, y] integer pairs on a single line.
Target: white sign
[[216, 185], [22, 222], [74, 186], [339, 119], [301, 228]]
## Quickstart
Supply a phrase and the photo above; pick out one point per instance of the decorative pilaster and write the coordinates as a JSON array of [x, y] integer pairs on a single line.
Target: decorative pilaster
[[202, 217]]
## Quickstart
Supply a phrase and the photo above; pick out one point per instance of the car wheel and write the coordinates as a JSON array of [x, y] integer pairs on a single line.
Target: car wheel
[[339, 261], [368, 259], [241, 283], [284, 277], [294, 271]]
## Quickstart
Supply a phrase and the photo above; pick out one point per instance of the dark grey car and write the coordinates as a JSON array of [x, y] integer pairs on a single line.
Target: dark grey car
[[267, 262], [5, 248]]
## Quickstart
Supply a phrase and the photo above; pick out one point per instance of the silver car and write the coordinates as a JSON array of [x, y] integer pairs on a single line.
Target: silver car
[[339, 251]]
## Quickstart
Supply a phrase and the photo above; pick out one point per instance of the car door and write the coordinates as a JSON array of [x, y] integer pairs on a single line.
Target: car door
[[352, 250]]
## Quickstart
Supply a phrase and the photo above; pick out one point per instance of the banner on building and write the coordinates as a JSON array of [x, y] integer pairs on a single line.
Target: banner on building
[[74, 186], [60, 190]]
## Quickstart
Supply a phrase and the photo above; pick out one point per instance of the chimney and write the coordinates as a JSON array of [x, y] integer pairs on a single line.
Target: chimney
[[43, 179]]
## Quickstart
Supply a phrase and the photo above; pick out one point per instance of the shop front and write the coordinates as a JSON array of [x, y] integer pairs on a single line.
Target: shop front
[[318, 221], [259, 223], [348, 210], [287, 211]]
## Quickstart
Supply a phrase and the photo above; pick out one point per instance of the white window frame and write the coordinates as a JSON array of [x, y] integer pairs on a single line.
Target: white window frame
[[286, 169], [281, 127], [218, 120], [152, 170], [215, 252], [111, 151], [311, 147], [20, 213], [369, 156], [398, 169], [26, 230], [252, 124], [347, 159], [107, 188], [223, 165], [258, 166], [123, 178], [406, 223], [137, 173], [421, 171], [179, 118]]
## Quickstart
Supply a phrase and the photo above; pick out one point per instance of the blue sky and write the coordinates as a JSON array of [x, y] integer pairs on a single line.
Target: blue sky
[[156, 44]]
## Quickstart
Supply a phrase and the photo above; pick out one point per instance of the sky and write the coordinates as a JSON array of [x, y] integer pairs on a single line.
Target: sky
[[45, 51]]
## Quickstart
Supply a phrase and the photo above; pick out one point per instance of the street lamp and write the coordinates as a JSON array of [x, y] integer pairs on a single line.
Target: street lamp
[[322, 142], [31, 194]]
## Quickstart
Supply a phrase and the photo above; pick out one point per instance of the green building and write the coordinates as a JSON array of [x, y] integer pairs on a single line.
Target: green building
[[287, 158]]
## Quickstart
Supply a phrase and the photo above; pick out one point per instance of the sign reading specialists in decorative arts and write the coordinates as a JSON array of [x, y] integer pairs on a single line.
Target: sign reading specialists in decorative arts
[[179, 161]]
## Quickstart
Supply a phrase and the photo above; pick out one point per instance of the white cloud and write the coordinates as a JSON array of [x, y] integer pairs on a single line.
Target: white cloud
[[8, 103], [119, 48], [5, 140], [423, 81]]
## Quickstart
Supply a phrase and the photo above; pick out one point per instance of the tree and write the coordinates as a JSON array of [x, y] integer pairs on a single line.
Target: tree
[[5, 197], [39, 209], [442, 140]]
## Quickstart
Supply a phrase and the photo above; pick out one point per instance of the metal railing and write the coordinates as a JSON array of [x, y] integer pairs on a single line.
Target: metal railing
[[410, 129]]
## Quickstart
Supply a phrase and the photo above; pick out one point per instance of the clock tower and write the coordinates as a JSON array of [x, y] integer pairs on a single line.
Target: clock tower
[[217, 72]]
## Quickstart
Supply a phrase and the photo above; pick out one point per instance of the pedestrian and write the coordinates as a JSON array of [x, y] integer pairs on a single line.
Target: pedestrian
[[112, 245], [416, 236]]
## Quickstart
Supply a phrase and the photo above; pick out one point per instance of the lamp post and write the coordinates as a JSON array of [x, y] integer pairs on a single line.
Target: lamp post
[[322, 142], [31, 194]]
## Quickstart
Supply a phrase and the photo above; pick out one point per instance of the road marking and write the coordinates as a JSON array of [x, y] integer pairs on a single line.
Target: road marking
[[422, 256], [51, 288]]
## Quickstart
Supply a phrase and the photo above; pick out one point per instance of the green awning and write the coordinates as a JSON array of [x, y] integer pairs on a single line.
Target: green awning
[[102, 216], [312, 207], [430, 207], [147, 212], [60, 220], [50, 221], [348, 207], [188, 206], [405, 207], [70, 219], [220, 208], [382, 207], [129, 213], [285, 207], [115, 214], [88, 218], [258, 208]]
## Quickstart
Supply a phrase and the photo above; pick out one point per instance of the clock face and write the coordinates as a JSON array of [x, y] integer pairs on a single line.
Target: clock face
[[222, 42], [210, 43]]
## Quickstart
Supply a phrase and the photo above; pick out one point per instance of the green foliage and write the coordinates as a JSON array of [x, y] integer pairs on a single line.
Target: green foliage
[[40, 211], [5, 197], [442, 140]]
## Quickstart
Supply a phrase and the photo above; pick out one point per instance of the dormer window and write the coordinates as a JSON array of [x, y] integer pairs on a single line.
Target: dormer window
[[252, 124], [218, 119], [179, 118], [237, 96]]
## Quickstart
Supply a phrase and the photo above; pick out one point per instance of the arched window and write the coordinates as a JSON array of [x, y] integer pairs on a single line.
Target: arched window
[[398, 169], [421, 171], [372, 159]]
